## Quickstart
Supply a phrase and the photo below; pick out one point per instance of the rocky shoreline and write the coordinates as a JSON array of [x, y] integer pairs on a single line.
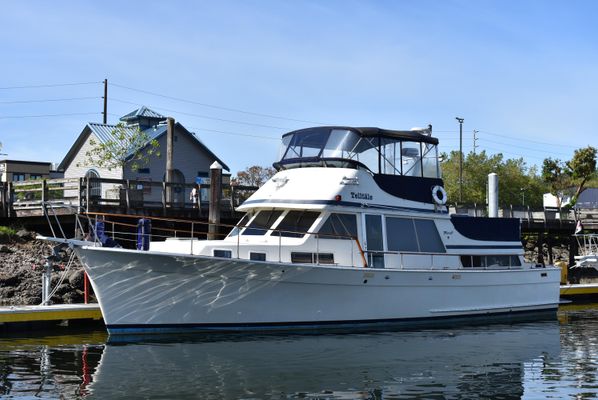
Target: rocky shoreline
[[22, 258]]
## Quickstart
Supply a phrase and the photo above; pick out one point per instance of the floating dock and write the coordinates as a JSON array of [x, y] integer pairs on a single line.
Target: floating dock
[[579, 289], [58, 314]]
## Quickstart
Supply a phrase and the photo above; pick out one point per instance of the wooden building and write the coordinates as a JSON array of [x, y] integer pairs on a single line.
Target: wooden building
[[191, 158]]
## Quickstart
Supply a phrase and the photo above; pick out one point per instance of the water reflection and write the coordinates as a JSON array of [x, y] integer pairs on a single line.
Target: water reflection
[[530, 360], [462, 362]]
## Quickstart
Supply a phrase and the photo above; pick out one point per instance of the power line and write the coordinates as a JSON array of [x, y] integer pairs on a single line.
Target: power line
[[45, 115], [205, 116], [216, 106], [48, 85], [519, 147], [233, 133], [526, 140], [49, 100]]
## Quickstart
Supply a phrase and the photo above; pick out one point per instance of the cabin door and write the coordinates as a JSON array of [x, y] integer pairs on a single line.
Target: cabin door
[[374, 242]]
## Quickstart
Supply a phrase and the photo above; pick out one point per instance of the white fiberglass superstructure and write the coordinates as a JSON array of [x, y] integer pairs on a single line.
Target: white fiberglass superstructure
[[351, 231]]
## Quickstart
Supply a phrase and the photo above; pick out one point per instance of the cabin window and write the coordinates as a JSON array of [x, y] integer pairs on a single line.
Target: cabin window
[[428, 237], [240, 225], [413, 235], [339, 226], [223, 253], [312, 258], [400, 234], [374, 240], [257, 256], [490, 261], [262, 221], [296, 223]]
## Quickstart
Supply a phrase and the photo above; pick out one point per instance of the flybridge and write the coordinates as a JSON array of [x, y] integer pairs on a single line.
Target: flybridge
[[388, 152]]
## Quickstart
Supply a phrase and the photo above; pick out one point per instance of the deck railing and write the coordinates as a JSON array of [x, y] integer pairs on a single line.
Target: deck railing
[[89, 194], [125, 233]]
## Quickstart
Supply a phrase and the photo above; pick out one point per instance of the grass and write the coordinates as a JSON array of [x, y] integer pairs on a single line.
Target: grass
[[7, 231]]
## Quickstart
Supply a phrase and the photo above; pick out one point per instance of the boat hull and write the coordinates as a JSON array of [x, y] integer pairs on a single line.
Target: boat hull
[[150, 292]]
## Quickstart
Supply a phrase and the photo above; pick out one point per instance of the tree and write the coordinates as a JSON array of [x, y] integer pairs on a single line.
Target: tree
[[254, 175], [124, 145], [582, 168], [516, 181], [571, 176]]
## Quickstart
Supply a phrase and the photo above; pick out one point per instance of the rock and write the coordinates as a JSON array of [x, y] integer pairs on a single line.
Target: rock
[[25, 235], [5, 249]]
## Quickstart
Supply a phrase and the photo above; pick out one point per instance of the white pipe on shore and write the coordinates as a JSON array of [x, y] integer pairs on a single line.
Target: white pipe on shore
[[493, 195]]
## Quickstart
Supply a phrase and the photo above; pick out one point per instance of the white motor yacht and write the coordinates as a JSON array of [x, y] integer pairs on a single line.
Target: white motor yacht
[[352, 231]]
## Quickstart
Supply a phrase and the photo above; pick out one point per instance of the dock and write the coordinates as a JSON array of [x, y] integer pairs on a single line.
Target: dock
[[58, 314], [577, 290]]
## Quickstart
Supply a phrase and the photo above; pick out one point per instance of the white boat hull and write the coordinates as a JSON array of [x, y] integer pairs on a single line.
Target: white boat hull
[[159, 292]]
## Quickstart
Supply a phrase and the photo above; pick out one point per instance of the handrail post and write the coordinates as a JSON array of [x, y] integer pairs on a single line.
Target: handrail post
[[128, 195], [317, 249], [192, 235], [44, 191], [87, 194], [238, 242], [79, 188], [279, 246]]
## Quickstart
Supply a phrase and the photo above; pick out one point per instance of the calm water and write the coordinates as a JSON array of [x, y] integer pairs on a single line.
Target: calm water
[[548, 359]]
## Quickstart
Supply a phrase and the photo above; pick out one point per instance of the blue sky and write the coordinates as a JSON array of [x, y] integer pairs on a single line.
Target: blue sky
[[523, 73]]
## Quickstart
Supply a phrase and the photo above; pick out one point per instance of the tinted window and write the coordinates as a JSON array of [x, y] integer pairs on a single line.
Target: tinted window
[[223, 253], [428, 237], [296, 221], [257, 256], [311, 258], [400, 234], [239, 226], [261, 222], [340, 226]]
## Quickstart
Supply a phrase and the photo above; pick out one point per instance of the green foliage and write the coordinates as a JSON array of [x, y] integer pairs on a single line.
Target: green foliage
[[125, 145], [6, 231], [570, 177], [515, 180], [254, 175]]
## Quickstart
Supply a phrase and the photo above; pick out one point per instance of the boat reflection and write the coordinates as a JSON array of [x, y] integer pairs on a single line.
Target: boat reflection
[[470, 362]]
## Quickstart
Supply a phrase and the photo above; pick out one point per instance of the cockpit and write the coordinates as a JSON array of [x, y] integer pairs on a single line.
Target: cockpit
[[406, 153]]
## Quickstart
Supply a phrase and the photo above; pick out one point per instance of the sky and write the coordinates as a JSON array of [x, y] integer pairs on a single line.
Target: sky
[[239, 74]]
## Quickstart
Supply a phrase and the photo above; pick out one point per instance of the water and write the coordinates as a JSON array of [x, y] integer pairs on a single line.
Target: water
[[555, 358]]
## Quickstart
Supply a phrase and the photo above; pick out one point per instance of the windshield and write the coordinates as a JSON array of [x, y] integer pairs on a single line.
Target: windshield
[[346, 148]]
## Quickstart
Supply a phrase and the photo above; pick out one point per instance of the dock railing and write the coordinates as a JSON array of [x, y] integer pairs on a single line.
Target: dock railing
[[26, 198]]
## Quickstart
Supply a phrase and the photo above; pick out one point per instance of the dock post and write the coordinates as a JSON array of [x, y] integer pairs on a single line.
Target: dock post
[[46, 281], [549, 244], [540, 247], [215, 194], [169, 159], [493, 195]]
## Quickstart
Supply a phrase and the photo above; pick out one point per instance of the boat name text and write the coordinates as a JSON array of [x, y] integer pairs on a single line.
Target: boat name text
[[361, 196]]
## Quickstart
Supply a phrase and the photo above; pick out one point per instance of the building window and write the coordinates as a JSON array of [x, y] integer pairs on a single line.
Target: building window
[[18, 177], [35, 177]]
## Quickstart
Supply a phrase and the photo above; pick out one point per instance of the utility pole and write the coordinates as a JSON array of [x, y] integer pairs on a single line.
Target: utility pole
[[169, 159], [105, 113], [475, 139], [460, 158]]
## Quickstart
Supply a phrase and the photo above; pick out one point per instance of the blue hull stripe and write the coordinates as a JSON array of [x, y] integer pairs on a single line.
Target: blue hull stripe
[[347, 204], [484, 246], [286, 326]]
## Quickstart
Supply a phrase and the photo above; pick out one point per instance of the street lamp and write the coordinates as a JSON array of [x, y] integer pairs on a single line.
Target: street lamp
[[460, 158], [523, 196]]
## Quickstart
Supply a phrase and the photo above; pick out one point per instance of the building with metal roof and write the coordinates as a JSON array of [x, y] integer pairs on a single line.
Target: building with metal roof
[[191, 157]]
